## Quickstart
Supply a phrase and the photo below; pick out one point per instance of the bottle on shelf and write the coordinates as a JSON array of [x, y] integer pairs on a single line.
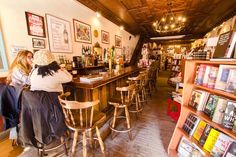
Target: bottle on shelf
[[65, 35]]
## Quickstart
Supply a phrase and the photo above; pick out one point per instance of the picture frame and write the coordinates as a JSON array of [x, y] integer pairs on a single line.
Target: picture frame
[[59, 34], [35, 25], [82, 32], [105, 37], [3, 58], [38, 43], [118, 41]]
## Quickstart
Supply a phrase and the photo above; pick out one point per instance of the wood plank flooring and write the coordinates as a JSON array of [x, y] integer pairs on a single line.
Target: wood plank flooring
[[151, 133]]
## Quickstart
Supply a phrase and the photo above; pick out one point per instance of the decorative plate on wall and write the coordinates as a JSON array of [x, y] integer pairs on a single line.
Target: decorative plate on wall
[[95, 33]]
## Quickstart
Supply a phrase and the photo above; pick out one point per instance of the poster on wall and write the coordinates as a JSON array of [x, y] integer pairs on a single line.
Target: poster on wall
[[59, 34], [105, 38], [118, 43], [3, 59], [82, 31], [35, 24]]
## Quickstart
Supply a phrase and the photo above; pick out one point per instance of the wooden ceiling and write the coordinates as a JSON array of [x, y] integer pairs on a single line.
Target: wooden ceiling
[[137, 16]]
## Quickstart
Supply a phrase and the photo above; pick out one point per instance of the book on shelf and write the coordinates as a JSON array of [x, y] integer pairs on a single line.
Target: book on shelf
[[229, 115], [211, 105], [231, 81], [222, 76], [188, 149], [231, 150], [225, 45], [190, 124], [204, 135], [212, 77], [200, 74], [206, 75], [198, 99], [211, 140], [184, 148], [219, 110], [90, 78], [221, 145], [199, 130]]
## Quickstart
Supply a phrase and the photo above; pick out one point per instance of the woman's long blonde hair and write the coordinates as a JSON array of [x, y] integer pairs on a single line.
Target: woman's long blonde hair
[[21, 63]]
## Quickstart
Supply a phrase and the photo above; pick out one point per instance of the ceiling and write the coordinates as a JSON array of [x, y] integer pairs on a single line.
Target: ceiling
[[137, 16]]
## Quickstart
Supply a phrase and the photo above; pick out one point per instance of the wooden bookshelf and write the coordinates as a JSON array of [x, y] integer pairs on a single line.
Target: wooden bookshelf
[[189, 77]]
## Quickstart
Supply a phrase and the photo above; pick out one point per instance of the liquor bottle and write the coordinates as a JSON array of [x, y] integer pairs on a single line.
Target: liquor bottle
[[65, 35]]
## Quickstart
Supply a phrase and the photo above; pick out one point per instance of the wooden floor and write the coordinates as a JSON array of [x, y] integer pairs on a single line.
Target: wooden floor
[[151, 134]]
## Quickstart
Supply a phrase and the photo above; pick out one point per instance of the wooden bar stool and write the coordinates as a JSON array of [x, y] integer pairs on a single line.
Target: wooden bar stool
[[125, 100], [82, 117], [139, 92]]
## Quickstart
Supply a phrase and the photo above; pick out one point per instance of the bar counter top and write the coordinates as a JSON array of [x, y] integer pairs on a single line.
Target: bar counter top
[[110, 77]]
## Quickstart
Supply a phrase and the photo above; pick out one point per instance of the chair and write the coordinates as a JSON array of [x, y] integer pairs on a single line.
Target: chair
[[42, 121], [125, 100], [82, 117], [139, 82]]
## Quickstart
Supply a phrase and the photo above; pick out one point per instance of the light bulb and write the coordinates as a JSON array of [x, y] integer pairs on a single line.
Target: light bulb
[[163, 19], [121, 27], [154, 24], [166, 27], [98, 14]]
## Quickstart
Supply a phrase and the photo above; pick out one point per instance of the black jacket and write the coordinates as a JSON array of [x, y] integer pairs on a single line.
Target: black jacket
[[10, 104], [42, 118]]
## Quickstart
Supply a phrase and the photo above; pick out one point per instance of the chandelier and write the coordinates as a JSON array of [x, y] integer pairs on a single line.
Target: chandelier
[[169, 22]]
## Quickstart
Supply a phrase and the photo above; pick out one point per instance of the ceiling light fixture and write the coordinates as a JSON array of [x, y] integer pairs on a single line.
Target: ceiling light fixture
[[169, 21], [121, 27], [98, 14]]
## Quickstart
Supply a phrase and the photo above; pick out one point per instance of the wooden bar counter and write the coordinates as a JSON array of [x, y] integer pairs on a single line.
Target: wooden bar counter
[[102, 89]]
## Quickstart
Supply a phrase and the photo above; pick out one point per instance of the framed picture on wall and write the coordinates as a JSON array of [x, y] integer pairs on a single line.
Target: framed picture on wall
[[105, 38], [59, 34], [118, 43], [3, 58], [35, 25], [38, 43], [82, 31]]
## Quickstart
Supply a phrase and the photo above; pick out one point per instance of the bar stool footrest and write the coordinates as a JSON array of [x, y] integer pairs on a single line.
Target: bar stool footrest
[[116, 130]]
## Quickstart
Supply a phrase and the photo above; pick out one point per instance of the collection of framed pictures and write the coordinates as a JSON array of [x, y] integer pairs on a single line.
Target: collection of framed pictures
[[59, 33]]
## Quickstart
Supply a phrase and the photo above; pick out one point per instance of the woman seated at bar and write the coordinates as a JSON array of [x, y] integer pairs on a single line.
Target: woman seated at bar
[[42, 118], [47, 75]]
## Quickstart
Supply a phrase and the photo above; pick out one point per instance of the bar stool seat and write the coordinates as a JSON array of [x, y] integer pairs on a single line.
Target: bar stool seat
[[126, 97], [82, 117]]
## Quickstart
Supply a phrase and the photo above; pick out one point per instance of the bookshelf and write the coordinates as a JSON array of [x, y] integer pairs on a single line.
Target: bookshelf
[[189, 76], [176, 67]]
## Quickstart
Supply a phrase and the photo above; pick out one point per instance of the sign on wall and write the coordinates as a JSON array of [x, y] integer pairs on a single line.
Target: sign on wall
[[59, 34]]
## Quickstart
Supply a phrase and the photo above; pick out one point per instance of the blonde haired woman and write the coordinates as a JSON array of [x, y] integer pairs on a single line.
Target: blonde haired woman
[[18, 77], [20, 69]]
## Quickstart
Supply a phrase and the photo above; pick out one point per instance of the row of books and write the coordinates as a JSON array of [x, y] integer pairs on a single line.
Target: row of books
[[220, 78], [175, 68], [176, 62], [211, 140], [188, 149], [221, 110]]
